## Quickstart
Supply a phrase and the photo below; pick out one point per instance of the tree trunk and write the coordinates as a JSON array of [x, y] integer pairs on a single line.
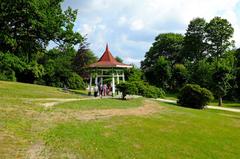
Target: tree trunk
[[220, 101]]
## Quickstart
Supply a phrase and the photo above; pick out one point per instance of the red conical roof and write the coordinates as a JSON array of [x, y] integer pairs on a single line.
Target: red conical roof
[[107, 56], [107, 60]]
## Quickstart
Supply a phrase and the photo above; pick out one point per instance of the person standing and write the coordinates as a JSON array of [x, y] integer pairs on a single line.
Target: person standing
[[96, 91], [104, 89], [101, 90]]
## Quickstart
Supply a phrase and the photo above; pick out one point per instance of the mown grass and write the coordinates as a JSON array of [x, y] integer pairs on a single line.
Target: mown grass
[[101, 104], [173, 132], [22, 90], [226, 103]]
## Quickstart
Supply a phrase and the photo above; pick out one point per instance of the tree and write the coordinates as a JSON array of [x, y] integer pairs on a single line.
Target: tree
[[168, 45], [27, 27], [195, 41], [160, 73], [119, 59], [127, 88], [237, 73], [201, 73], [179, 76], [133, 74], [83, 58], [219, 32], [58, 69], [221, 77]]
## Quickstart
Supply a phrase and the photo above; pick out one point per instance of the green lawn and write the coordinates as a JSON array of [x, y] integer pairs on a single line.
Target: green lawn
[[22, 90], [27, 130], [227, 104], [101, 104]]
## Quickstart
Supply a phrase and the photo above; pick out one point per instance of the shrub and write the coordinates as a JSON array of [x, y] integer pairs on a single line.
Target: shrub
[[127, 88], [146, 90], [193, 96], [74, 81], [153, 92]]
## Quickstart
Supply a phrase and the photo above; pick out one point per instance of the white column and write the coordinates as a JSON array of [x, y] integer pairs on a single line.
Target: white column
[[90, 85], [96, 80], [102, 78], [123, 77], [113, 85], [117, 78]]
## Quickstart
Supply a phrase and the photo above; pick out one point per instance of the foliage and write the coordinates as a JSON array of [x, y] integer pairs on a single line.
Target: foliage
[[160, 73], [167, 45], [174, 60], [119, 59], [201, 73], [195, 41], [221, 77], [237, 73], [179, 76], [126, 88], [27, 27], [133, 74], [146, 90], [194, 96], [58, 69], [83, 58], [219, 32]]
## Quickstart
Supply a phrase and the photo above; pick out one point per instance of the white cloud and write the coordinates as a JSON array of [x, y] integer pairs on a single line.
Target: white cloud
[[122, 20], [130, 26], [137, 25], [86, 29], [131, 60]]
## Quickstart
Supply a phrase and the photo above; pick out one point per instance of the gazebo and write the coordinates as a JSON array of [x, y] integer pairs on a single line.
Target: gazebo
[[107, 67]]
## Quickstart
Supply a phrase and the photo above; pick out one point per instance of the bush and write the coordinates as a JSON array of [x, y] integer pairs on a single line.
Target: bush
[[146, 90], [74, 81], [140, 88], [127, 88], [193, 96]]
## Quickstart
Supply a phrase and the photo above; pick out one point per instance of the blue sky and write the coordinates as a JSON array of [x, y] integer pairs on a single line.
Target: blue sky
[[130, 26]]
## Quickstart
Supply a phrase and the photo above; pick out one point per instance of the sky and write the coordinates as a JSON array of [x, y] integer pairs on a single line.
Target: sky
[[130, 26]]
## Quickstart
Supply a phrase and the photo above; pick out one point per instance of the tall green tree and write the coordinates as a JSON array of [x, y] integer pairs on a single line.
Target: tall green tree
[[201, 73], [27, 27], [168, 45], [160, 73], [195, 47], [219, 33], [179, 76], [221, 85], [83, 59], [58, 69]]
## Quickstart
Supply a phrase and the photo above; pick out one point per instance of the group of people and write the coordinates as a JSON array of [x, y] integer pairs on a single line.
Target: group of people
[[102, 90]]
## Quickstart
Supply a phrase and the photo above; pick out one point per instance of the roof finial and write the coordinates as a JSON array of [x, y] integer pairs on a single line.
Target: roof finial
[[107, 47]]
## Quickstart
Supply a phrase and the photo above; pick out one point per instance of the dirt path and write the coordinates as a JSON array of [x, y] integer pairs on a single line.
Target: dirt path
[[63, 115], [35, 151], [149, 107]]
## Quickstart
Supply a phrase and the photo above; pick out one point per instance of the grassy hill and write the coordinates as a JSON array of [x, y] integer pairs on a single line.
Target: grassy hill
[[109, 128]]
